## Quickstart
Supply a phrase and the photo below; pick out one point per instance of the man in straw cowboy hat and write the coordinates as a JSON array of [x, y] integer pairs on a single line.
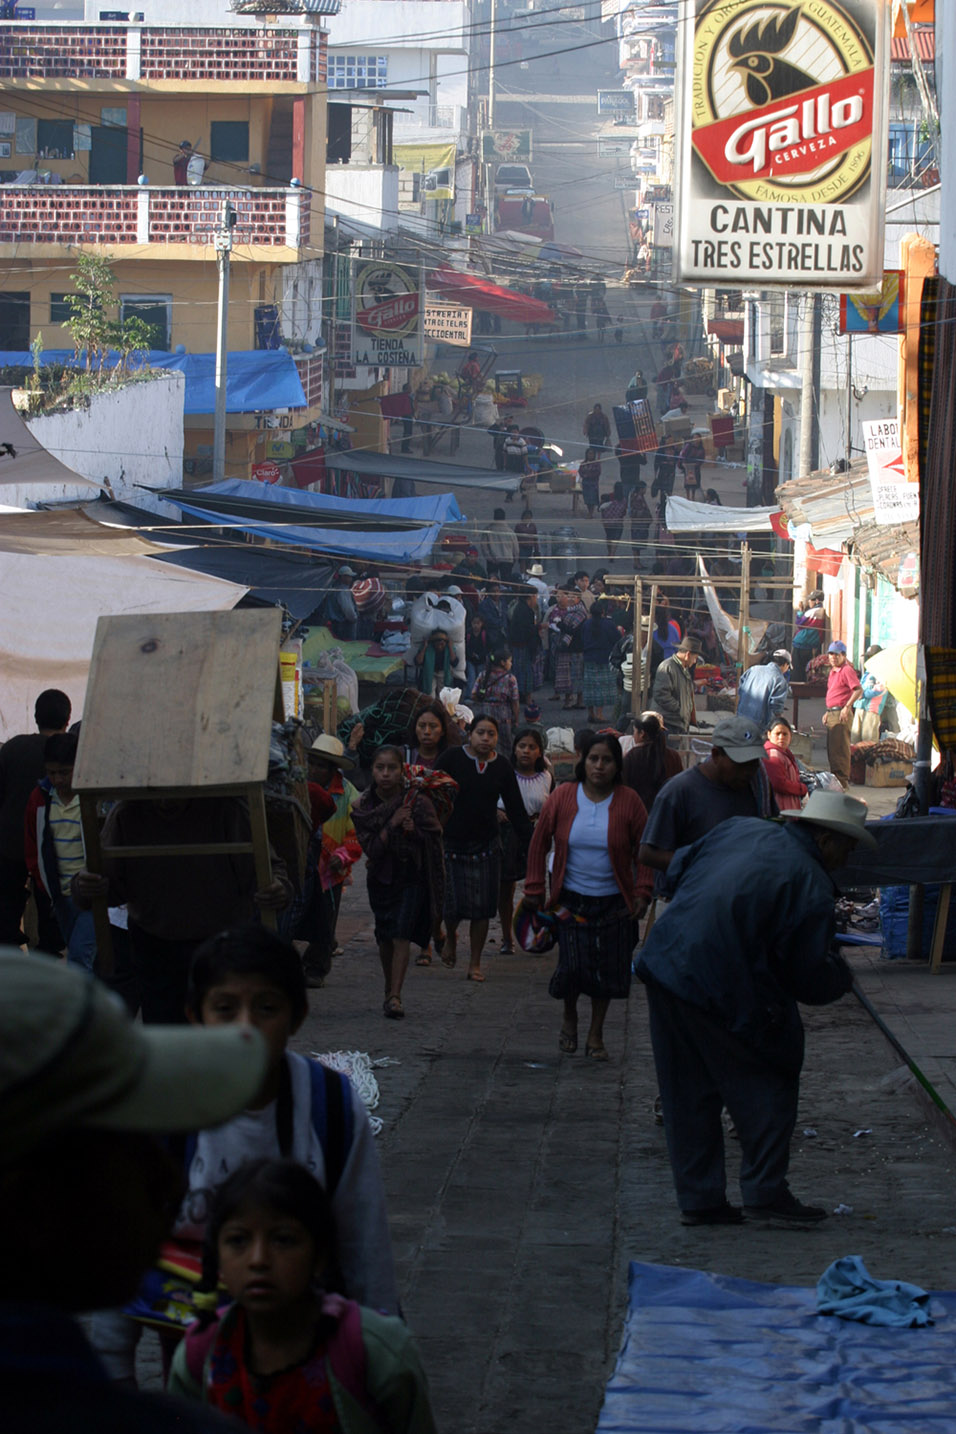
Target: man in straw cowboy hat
[[747, 935]]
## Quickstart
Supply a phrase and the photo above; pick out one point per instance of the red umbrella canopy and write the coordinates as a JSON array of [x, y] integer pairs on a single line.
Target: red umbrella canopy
[[478, 293]]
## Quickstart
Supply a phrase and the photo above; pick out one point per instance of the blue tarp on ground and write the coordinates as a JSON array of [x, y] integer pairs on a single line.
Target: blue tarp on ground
[[442, 508], [256, 379], [708, 1352]]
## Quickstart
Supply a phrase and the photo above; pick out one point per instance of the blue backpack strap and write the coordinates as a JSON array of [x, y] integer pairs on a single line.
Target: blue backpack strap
[[333, 1119]]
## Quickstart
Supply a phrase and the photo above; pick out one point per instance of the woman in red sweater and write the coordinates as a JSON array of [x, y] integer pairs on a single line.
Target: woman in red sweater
[[598, 890], [781, 766]]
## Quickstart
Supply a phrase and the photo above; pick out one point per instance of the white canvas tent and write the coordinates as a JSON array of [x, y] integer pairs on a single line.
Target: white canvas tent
[[49, 607], [686, 516], [23, 459]]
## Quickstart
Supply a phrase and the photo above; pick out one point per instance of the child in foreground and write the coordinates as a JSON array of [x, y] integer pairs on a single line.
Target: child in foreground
[[304, 1112], [289, 1353]]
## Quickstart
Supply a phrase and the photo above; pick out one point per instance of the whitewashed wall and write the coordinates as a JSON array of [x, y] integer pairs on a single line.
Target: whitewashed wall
[[128, 436]]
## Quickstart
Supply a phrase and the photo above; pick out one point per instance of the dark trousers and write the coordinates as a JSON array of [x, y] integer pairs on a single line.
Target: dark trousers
[[838, 748], [700, 1069], [13, 900], [161, 971]]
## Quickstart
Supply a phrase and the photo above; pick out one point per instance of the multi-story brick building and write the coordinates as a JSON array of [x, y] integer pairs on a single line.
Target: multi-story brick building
[[93, 114]]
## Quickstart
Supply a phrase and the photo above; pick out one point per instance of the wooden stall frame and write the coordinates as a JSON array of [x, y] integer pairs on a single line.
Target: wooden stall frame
[[253, 791]]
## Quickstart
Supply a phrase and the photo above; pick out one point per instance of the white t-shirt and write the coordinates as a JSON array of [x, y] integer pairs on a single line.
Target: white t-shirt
[[588, 868], [365, 1252]]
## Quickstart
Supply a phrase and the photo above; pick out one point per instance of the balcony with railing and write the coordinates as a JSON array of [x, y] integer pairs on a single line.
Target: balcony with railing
[[200, 55], [180, 218]]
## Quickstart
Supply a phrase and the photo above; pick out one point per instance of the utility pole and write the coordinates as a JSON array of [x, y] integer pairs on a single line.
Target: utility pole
[[809, 383], [223, 242]]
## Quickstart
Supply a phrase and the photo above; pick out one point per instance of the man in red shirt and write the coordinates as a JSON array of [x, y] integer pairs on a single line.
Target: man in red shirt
[[843, 689]]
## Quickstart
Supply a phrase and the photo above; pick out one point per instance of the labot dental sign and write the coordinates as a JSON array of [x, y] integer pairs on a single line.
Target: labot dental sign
[[783, 143]]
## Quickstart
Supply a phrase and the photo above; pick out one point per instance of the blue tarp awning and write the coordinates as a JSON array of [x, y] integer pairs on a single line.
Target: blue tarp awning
[[407, 547], [256, 379], [440, 508]]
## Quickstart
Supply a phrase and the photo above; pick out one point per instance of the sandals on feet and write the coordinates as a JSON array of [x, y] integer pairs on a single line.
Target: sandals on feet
[[568, 1042], [424, 959], [507, 948], [392, 1008], [597, 1053], [475, 976]]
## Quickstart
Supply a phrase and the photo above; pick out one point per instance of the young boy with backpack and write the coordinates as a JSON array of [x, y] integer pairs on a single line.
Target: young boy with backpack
[[305, 1112]]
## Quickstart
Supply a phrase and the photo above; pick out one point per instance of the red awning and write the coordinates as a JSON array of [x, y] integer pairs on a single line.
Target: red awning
[[477, 293], [729, 331], [925, 47]]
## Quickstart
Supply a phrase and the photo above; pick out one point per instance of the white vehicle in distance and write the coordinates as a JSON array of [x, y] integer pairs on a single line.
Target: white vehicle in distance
[[513, 176]]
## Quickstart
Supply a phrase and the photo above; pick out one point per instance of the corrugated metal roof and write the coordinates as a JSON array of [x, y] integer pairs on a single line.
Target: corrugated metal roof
[[877, 545], [925, 38], [839, 509], [834, 504]]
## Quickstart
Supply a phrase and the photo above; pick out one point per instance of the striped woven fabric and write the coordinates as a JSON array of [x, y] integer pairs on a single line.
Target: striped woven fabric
[[941, 694], [937, 377]]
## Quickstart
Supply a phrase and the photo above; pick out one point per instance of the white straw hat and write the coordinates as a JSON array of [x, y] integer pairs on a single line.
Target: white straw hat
[[839, 813]]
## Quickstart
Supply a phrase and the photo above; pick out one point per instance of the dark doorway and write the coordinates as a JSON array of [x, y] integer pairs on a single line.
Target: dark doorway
[[108, 154], [15, 320]]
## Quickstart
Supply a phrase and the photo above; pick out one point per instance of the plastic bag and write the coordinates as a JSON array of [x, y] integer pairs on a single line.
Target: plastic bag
[[559, 739], [434, 612]]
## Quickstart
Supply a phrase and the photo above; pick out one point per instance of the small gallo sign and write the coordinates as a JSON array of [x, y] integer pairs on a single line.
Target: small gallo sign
[[894, 500], [448, 324], [387, 315]]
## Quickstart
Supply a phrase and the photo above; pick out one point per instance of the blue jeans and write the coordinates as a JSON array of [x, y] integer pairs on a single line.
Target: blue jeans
[[78, 932]]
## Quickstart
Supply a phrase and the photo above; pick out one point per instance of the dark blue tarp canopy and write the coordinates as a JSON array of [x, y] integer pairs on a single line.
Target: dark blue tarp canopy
[[438, 508], [299, 584], [407, 545], [256, 380]]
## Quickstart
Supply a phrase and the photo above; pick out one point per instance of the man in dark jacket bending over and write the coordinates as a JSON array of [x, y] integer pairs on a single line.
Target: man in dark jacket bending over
[[747, 936]]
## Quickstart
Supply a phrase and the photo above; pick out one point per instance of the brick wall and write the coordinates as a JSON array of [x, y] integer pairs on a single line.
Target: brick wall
[[310, 367], [61, 214], [101, 52], [50, 52], [187, 54], [178, 216], [42, 215]]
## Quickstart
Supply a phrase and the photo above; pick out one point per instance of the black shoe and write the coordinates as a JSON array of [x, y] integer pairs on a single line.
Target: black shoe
[[716, 1215], [786, 1210]]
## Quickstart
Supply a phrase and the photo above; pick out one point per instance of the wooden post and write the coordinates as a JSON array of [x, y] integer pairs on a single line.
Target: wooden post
[[260, 846], [638, 601], [743, 629], [93, 861], [646, 671]]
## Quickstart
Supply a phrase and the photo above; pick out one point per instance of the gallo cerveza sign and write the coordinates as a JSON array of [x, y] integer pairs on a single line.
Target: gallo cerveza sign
[[783, 143], [387, 315]]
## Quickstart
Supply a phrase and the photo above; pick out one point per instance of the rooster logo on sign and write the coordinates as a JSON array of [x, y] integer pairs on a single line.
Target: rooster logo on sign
[[756, 53]]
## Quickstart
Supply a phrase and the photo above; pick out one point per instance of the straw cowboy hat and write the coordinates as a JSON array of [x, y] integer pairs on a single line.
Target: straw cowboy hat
[[839, 812], [329, 749], [536, 571]]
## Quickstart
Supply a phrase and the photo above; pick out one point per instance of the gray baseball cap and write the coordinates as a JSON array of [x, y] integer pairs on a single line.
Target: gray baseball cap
[[740, 738], [71, 1057]]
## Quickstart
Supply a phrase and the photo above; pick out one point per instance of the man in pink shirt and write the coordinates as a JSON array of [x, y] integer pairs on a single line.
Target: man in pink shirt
[[843, 689]]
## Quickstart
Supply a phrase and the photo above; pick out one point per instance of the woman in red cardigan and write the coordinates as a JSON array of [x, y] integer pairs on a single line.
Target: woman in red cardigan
[[781, 766], [595, 824]]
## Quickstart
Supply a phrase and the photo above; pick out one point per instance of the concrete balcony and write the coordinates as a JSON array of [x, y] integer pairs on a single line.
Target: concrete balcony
[[165, 57], [175, 223]]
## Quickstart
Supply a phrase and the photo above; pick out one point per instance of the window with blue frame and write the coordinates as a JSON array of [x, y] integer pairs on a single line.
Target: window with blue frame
[[358, 72], [908, 154]]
